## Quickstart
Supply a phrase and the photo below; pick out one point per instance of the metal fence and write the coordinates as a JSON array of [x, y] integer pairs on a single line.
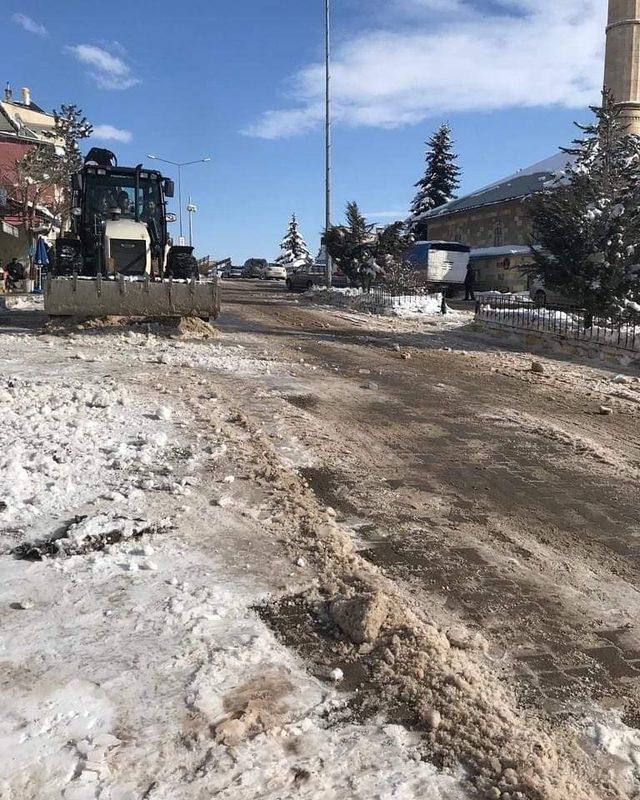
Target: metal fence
[[622, 332], [386, 298]]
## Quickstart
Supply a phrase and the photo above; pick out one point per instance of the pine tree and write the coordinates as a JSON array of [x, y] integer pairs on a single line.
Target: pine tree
[[294, 250], [365, 254], [441, 178], [586, 222], [392, 248], [352, 246]]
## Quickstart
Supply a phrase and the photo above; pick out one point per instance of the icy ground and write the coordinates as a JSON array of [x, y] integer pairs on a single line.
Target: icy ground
[[131, 662]]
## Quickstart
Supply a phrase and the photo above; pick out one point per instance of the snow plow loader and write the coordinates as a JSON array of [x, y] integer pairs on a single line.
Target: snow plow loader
[[117, 259]]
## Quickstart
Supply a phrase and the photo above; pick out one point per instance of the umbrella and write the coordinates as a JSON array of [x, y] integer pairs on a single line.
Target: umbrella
[[41, 260], [42, 257]]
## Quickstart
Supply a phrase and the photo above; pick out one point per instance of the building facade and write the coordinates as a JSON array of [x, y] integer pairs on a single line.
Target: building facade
[[23, 125], [495, 223]]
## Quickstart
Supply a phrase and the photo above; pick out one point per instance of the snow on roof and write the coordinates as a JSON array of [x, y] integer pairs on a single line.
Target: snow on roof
[[496, 252], [520, 184], [28, 122]]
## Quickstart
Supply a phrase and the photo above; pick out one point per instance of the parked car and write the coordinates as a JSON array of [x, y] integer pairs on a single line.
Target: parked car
[[540, 295], [274, 272], [234, 272], [251, 271], [315, 275], [253, 267]]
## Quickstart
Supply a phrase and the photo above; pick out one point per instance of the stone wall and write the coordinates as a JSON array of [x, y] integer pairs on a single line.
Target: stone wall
[[490, 226], [503, 274], [548, 342]]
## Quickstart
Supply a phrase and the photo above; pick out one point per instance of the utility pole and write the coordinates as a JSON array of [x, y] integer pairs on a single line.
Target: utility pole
[[327, 43], [191, 208], [181, 239]]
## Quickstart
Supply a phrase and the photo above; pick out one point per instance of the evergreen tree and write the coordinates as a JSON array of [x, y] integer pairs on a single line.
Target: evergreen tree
[[364, 254], [392, 248], [586, 222], [294, 250], [352, 246], [441, 178]]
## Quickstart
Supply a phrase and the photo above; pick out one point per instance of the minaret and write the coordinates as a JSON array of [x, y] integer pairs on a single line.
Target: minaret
[[622, 66]]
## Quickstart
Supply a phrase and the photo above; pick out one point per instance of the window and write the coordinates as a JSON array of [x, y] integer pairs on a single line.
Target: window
[[498, 235], [419, 255]]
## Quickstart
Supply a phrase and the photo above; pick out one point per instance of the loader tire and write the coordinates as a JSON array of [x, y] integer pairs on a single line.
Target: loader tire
[[183, 267], [68, 258]]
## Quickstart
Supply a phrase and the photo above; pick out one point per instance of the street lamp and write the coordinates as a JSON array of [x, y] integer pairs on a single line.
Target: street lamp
[[179, 165], [192, 209]]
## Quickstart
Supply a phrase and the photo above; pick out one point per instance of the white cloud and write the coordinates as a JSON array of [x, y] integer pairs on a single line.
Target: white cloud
[[109, 71], [431, 57], [29, 24], [111, 133]]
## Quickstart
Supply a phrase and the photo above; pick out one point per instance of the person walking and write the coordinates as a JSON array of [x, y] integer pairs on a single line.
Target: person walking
[[469, 284]]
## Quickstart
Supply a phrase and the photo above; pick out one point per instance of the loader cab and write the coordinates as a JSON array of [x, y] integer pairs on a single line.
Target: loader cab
[[120, 218]]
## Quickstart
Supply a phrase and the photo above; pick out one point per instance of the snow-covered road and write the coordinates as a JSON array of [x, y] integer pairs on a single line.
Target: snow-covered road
[[132, 662]]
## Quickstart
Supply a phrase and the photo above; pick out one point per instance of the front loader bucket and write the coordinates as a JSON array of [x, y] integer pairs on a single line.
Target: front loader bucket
[[95, 297]]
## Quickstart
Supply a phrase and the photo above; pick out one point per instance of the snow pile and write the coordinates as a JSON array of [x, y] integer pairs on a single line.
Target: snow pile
[[24, 302], [56, 434], [413, 305], [519, 297], [611, 735], [188, 346], [377, 302], [562, 322], [334, 297]]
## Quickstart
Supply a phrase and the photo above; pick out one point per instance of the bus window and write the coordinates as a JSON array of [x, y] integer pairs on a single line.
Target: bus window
[[419, 255]]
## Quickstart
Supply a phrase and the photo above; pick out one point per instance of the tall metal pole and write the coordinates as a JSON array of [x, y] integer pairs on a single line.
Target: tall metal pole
[[191, 209], [181, 240], [327, 42]]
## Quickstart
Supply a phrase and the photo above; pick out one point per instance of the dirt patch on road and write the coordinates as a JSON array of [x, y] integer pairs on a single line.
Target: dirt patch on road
[[184, 327], [306, 402], [497, 526], [405, 665], [440, 685]]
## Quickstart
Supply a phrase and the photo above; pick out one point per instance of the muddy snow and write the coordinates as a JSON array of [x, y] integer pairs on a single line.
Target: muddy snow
[[185, 615], [132, 662]]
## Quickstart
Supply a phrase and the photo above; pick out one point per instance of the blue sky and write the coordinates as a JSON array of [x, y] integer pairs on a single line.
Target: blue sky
[[242, 82]]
